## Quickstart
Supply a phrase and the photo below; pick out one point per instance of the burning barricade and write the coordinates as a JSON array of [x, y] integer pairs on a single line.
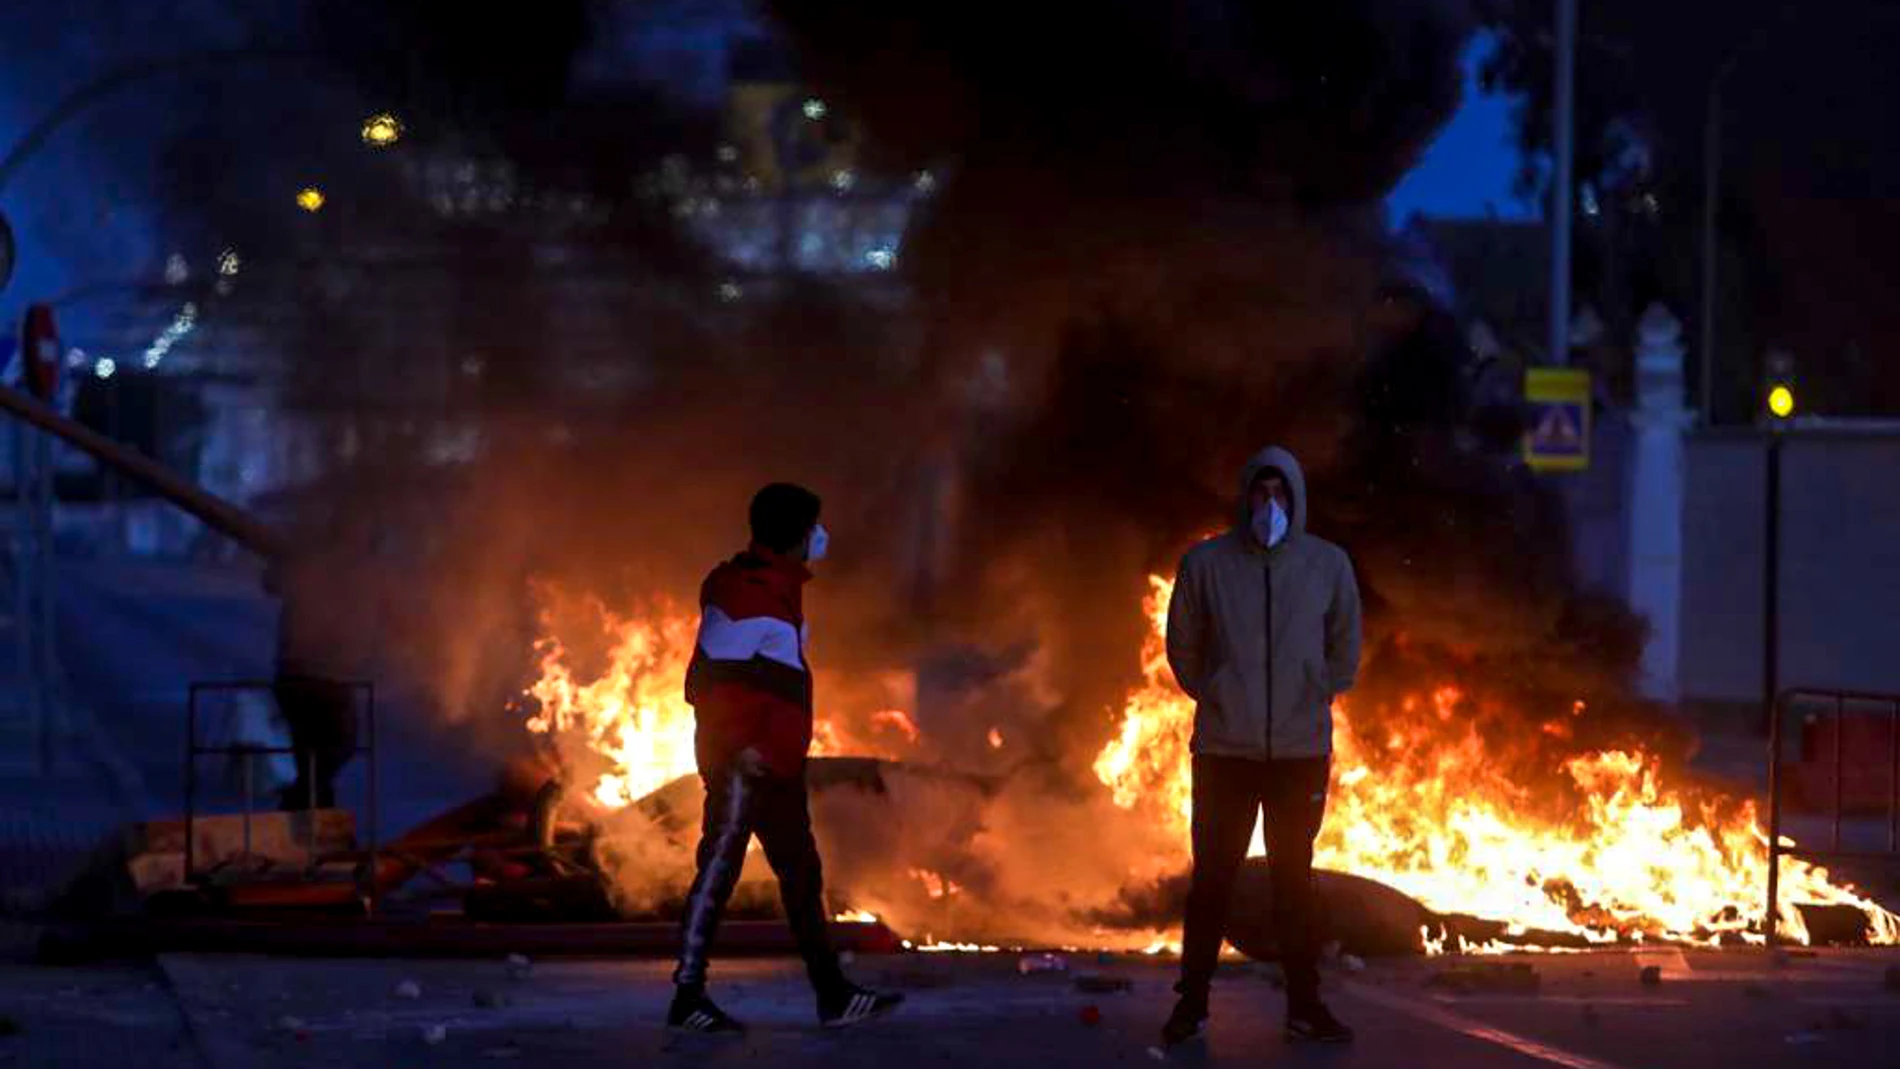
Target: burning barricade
[[1460, 848]]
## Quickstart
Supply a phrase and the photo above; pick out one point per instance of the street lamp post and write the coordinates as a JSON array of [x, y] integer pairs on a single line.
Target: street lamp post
[[1561, 196]]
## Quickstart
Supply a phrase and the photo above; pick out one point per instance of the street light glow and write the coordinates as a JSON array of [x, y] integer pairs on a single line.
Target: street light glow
[[382, 130], [310, 199], [1781, 400]]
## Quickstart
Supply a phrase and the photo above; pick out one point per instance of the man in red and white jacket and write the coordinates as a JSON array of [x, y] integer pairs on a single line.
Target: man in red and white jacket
[[750, 687]]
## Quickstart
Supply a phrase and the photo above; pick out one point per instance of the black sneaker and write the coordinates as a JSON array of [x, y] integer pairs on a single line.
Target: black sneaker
[[693, 1012], [849, 1004], [1316, 1024], [1188, 1021]]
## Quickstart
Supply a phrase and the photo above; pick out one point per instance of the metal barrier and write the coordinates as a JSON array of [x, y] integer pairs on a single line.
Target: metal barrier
[[1839, 700], [195, 750]]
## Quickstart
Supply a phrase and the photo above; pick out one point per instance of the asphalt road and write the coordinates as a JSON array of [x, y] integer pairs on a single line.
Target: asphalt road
[[1590, 1012]]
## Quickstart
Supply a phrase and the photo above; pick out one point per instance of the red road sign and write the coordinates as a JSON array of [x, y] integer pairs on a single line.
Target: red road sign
[[39, 351]]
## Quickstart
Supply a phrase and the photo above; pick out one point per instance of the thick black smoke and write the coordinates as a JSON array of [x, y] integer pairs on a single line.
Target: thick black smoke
[[1158, 249], [1156, 246]]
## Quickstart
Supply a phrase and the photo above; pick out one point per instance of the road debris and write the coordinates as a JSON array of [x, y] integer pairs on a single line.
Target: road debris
[[1097, 984], [433, 1034], [1651, 976], [1512, 978], [288, 1023], [1090, 1015], [519, 967], [1031, 964], [408, 989], [484, 999]]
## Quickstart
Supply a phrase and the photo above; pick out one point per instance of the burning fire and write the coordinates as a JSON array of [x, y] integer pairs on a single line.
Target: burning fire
[[1420, 800], [1425, 807], [630, 725], [628, 729]]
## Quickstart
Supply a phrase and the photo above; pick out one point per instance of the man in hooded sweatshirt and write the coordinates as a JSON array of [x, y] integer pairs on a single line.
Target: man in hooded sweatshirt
[[750, 688], [1263, 634]]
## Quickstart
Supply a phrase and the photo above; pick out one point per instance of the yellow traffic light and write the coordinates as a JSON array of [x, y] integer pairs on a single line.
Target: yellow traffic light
[[310, 199], [1781, 400], [382, 130]]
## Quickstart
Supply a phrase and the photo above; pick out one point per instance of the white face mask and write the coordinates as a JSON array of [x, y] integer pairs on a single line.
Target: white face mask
[[820, 542], [1270, 524]]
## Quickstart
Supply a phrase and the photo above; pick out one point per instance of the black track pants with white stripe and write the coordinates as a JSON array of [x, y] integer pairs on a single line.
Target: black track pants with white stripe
[[777, 810]]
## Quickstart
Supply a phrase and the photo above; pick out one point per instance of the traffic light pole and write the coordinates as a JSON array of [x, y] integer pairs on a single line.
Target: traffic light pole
[[1771, 583]]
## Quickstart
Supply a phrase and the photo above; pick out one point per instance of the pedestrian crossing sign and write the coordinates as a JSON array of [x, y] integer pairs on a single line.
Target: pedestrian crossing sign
[[1558, 435]]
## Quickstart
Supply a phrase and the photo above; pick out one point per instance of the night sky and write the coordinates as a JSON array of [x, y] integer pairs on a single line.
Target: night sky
[[1470, 168]]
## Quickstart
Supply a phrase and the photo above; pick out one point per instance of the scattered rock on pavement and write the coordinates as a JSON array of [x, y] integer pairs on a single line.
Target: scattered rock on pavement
[[434, 1033], [1097, 984], [519, 967], [1514, 977], [408, 989], [1030, 964], [1651, 976], [1352, 962], [290, 1024]]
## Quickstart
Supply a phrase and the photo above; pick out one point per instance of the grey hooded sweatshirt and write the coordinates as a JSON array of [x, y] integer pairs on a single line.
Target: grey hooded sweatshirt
[[1264, 683]]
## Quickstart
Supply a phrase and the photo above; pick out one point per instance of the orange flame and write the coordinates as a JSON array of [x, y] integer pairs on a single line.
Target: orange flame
[[628, 731], [1426, 810], [898, 720], [1419, 802], [630, 727]]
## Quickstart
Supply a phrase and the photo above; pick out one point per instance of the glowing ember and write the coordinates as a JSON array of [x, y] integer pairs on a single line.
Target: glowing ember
[[1427, 808], [935, 885], [896, 720], [930, 946], [996, 739], [856, 916]]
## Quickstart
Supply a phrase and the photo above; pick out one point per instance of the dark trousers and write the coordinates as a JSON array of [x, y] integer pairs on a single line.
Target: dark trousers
[[1228, 792], [321, 715], [776, 809]]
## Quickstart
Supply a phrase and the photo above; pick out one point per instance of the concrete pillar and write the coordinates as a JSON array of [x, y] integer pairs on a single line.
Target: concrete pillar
[[1655, 497]]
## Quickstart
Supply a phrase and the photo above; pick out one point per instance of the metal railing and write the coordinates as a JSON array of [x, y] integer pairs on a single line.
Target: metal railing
[[1838, 700], [196, 750]]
